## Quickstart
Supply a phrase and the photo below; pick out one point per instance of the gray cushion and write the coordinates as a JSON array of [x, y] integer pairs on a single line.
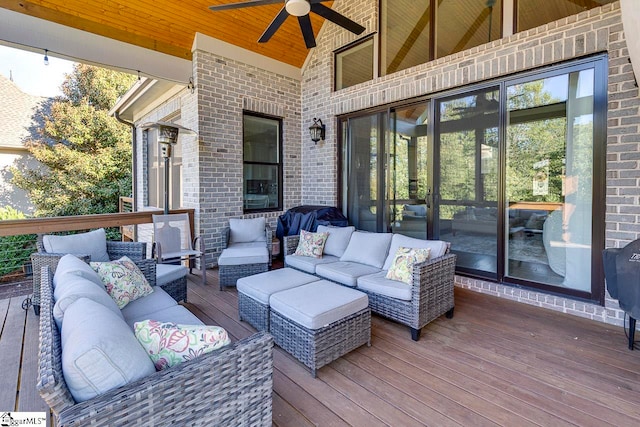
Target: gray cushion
[[345, 272], [76, 287], [166, 273], [368, 248], [176, 314], [99, 351], [379, 284], [338, 239], [157, 300], [241, 256], [308, 263], [438, 247], [71, 264], [93, 243], [318, 304], [262, 285], [247, 230]]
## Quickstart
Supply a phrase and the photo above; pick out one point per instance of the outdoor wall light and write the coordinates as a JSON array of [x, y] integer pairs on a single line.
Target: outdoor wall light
[[167, 138], [317, 130]]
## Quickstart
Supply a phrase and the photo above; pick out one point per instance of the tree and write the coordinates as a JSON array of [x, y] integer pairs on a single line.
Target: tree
[[85, 152]]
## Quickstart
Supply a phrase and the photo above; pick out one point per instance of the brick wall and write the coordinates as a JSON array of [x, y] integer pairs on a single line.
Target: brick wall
[[594, 31]]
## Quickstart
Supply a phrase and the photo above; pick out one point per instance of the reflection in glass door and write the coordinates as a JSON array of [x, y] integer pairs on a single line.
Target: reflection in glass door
[[466, 202], [408, 178]]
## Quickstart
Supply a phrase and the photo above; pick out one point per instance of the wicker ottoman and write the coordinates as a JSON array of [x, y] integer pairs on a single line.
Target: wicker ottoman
[[320, 322], [254, 292], [235, 263]]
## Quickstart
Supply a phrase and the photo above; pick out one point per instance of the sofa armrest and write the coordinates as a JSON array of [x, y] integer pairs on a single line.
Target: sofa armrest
[[290, 244], [432, 289], [44, 259], [133, 250], [148, 268]]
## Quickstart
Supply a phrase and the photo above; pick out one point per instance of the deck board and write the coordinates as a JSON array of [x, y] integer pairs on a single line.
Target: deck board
[[496, 362]]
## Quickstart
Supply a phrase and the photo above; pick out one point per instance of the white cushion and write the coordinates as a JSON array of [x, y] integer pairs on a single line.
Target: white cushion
[[338, 239], [262, 285], [157, 300], [367, 248], [247, 230], [76, 287], [72, 265], [438, 247], [175, 314], [241, 256], [93, 243], [318, 304], [166, 273], [345, 272], [99, 351], [308, 264], [379, 284]]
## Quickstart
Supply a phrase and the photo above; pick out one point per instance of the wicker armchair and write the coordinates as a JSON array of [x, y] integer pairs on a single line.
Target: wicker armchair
[[431, 292], [231, 386]]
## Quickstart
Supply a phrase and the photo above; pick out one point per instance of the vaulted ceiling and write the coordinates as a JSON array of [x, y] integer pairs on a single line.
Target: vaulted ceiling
[[169, 26]]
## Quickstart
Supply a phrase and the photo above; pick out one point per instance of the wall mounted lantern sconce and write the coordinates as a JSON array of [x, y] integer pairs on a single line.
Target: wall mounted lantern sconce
[[317, 130], [167, 138]]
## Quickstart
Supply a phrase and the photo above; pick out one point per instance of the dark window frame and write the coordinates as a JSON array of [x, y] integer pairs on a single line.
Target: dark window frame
[[343, 49]]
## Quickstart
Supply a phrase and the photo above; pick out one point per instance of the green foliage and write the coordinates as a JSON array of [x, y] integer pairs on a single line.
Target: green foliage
[[86, 153], [15, 251]]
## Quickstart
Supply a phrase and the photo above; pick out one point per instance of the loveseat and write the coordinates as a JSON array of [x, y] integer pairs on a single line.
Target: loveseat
[[362, 260], [93, 371]]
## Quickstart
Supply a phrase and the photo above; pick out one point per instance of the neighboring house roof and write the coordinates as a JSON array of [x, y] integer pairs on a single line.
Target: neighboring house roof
[[16, 113]]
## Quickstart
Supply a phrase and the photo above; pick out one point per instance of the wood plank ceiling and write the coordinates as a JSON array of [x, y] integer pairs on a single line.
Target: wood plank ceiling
[[169, 26]]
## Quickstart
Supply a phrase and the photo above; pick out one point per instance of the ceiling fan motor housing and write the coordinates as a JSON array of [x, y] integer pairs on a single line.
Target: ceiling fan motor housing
[[297, 7]]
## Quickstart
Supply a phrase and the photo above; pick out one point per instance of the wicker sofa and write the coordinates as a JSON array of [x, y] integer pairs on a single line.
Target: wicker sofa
[[429, 296], [229, 386]]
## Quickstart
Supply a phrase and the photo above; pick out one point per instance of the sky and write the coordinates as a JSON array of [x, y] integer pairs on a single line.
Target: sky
[[29, 72]]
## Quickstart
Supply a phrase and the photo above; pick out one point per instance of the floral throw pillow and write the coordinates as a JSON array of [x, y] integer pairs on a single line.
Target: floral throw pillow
[[311, 244], [169, 344], [123, 280], [402, 266]]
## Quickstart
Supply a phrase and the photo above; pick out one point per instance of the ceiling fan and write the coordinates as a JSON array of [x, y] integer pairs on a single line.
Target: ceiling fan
[[300, 9]]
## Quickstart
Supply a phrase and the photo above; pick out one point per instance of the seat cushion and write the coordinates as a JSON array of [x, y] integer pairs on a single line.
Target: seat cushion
[[241, 256], [99, 351], [438, 247], [176, 314], [93, 243], [344, 272], [166, 273], [318, 304], [159, 299], [247, 230], [308, 264], [338, 239], [71, 264], [379, 284], [262, 285], [76, 287], [367, 248]]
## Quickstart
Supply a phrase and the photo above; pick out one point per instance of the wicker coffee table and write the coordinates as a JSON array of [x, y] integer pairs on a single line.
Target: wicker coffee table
[[320, 322]]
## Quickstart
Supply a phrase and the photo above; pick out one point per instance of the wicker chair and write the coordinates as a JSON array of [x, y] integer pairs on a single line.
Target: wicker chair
[[229, 274], [230, 386], [431, 293]]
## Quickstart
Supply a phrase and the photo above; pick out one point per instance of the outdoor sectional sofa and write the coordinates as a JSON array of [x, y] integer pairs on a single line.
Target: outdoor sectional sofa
[[361, 260], [228, 386]]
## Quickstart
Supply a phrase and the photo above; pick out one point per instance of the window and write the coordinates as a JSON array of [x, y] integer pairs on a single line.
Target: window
[[354, 64], [532, 13], [262, 157], [155, 173]]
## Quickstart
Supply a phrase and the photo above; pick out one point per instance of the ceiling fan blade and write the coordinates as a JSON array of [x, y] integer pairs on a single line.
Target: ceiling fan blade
[[307, 31], [249, 3], [337, 18], [273, 27]]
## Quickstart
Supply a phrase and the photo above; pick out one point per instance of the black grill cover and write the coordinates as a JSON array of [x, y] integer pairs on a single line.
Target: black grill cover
[[622, 271], [308, 218]]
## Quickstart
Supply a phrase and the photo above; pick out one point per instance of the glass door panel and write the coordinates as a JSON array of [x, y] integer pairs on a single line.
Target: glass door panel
[[549, 179], [466, 145], [408, 177]]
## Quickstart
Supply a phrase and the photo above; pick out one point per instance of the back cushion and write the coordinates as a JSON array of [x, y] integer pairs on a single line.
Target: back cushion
[[338, 239], [99, 351], [93, 243], [72, 265], [367, 248], [74, 288], [247, 230], [438, 247]]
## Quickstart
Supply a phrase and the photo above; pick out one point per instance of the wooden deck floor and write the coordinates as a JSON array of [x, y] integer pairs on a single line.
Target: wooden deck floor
[[495, 363]]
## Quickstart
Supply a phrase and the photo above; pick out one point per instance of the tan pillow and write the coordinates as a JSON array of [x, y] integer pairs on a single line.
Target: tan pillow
[[311, 244]]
